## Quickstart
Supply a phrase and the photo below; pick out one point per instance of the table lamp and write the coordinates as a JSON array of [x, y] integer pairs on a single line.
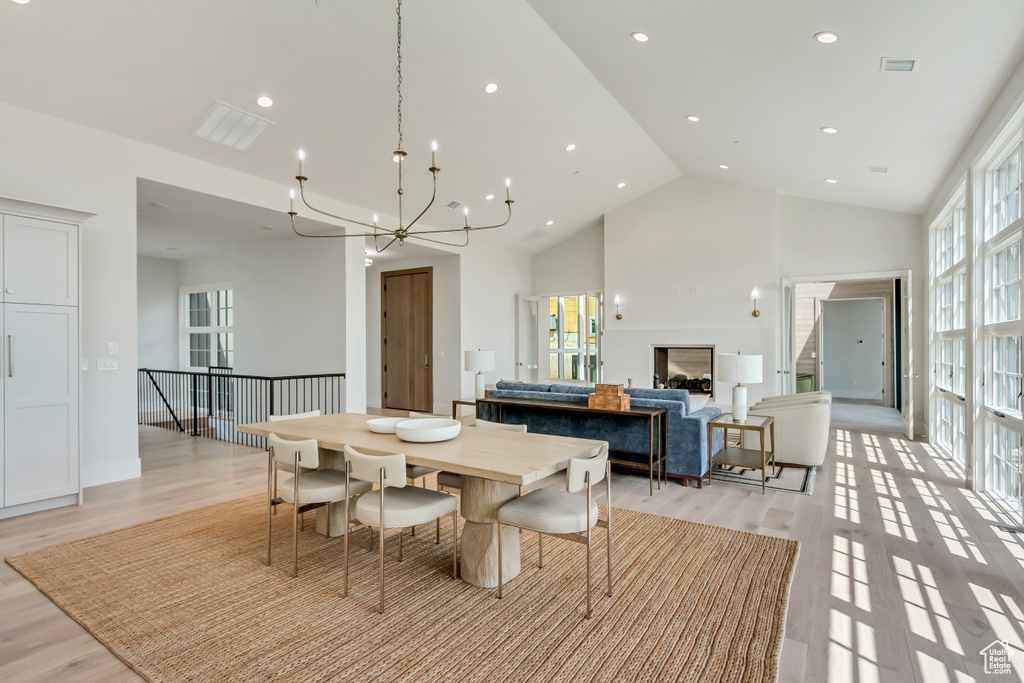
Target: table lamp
[[741, 369], [480, 362]]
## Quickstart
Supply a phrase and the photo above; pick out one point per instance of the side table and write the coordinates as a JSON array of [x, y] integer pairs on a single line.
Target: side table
[[737, 456], [461, 402]]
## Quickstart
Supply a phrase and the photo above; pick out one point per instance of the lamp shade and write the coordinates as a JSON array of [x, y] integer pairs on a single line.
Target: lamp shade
[[479, 361], [738, 368]]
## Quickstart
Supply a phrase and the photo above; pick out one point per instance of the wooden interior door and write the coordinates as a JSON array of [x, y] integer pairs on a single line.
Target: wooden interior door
[[407, 330]]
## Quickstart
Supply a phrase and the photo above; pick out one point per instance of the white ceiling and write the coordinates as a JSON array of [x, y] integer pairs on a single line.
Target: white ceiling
[[567, 71]]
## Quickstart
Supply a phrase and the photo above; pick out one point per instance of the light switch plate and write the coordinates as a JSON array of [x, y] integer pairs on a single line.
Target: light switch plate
[[106, 363], [112, 349], [84, 363]]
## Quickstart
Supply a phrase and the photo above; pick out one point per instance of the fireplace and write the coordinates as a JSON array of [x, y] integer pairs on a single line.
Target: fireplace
[[685, 367]]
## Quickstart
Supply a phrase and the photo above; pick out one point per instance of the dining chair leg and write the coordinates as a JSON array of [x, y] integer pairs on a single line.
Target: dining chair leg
[[540, 550], [455, 543], [369, 539], [437, 532], [295, 540], [270, 504], [381, 543], [344, 591], [499, 560], [608, 512], [588, 573], [401, 533]]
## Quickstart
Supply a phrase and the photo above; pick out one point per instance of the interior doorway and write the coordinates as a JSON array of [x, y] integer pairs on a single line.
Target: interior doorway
[[407, 331], [802, 341], [853, 349]]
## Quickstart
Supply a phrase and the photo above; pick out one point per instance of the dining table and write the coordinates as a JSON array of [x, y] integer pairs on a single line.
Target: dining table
[[495, 466]]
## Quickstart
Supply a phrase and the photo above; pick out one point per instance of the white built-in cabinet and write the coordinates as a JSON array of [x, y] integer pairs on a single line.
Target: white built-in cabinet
[[39, 364]]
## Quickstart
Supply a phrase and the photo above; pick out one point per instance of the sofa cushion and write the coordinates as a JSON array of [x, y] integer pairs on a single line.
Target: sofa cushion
[[521, 386], [545, 395], [681, 395], [571, 389]]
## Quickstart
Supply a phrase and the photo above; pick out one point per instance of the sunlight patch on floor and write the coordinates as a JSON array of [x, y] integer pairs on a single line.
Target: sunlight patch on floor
[[852, 655], [850, 573], [903, 452], [1006, 621], [896, 519]]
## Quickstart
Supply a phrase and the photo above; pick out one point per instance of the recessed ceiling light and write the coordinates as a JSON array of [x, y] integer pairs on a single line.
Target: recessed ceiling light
[[830, 130], [723, 167], [693, 118], [570, 147], [264, 101], [491, 88], [265, 227], [550, 223], [639, 37], [21, 2], [489, 197], [826, 37], [621, 185], [831, 181]]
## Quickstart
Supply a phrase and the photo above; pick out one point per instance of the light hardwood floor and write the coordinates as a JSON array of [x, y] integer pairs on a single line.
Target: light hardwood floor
[[902, 573]]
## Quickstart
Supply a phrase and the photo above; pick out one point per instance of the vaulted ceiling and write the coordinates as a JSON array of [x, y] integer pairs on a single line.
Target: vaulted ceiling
[[567, 72]]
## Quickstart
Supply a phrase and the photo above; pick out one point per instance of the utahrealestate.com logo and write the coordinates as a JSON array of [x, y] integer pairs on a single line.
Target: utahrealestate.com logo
[[997, 657]]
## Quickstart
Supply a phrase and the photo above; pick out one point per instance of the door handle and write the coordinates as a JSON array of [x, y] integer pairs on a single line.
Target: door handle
[[426, 360], [10, 355]]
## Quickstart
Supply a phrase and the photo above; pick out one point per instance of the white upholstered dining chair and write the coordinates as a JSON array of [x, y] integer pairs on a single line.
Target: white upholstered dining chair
[[453, 481], [285, 466], [393, 505], [564, 514], [307, 489]]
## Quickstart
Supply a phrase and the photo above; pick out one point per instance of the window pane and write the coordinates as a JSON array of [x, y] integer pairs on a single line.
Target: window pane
[[1004, 275], [199, 350], [570, 322], [1004, 450], [199, 309], [553, 324], [1004, 363], [553, 366]]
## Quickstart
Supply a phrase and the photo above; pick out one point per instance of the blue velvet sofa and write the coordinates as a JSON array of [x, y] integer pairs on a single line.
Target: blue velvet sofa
[[687, 433]]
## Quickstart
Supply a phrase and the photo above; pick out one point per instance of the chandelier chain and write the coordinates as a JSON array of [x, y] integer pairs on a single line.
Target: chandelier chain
[[398, 11]]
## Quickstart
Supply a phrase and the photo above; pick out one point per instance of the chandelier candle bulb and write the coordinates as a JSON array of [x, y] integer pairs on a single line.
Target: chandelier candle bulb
[[508, 189], [302, 162], [465, 212], [433, 154], [291, 201]]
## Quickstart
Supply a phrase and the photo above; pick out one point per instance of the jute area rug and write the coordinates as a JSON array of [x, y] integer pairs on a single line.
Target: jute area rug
[[189, 598]]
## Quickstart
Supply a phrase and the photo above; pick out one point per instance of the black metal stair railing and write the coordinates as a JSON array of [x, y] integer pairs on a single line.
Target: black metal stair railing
[[214, 403]]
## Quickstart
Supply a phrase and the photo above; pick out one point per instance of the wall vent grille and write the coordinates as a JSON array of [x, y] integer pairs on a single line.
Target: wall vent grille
[[538, 234], [898, 64]]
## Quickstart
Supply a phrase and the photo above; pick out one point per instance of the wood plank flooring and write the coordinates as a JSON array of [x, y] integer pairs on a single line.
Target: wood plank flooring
[[902, 574]]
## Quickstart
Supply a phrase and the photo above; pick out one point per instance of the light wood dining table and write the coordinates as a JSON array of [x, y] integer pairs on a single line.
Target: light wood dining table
[[494, 465]]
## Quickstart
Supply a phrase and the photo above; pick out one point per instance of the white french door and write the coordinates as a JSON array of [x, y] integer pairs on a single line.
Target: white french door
[[787, 347], [531, 336], [906, 352]]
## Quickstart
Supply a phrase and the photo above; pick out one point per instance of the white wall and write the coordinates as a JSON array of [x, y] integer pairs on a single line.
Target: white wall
[[683, 259], [491, 278], [572, 266], [824, 239], [68, 165], [158, 313], [447, 296], [852, 348]]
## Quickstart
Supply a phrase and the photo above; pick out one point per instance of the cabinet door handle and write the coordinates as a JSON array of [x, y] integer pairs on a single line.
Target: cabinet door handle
[[10, 355]]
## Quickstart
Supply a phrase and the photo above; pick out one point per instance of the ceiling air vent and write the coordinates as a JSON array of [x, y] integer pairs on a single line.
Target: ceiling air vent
[[538, 234], [230, 127], [897, 64], [453, 204], [878, 169]]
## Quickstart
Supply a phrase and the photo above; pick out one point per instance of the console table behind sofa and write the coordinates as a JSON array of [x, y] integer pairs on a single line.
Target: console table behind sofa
[[596, 421], [686, 433]]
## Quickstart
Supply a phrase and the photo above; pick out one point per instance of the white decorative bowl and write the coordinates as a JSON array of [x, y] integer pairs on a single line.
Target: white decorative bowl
[[428, 430], [384, 425]]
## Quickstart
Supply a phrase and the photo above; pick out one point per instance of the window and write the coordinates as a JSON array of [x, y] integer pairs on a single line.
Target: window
[[960, 300], [1006, 181], [1003, 451], [945, 318], [944, 379], [208, 327], [1004, 385], [573, 338], [1004, 302]]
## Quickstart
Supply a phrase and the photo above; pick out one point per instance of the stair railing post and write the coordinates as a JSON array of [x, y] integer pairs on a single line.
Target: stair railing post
[[195, 404]]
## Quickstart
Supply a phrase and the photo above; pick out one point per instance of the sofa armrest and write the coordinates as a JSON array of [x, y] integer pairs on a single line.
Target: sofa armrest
[[799, 398], [688, 452], [801, 431]]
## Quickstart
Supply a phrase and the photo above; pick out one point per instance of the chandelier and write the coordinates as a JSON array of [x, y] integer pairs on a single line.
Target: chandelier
[[403, 231]]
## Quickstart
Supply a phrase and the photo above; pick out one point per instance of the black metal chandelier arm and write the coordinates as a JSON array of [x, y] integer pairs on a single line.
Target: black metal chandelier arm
[[302, 194], [433, 196]]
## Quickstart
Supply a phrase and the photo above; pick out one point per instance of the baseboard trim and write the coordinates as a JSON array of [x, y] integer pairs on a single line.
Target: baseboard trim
[[111, 471], [39, 506]]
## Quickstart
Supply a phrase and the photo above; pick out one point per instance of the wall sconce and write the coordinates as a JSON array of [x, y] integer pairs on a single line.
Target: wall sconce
[[753, 296], [618, 315], [369, 261]]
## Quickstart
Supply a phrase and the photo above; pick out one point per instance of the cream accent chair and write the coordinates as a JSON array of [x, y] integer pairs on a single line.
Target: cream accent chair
[[308, 488], [564, 514], [406, 506], [801, 427]]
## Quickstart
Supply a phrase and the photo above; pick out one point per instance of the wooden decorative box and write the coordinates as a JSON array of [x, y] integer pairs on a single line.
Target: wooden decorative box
[[609, 397]]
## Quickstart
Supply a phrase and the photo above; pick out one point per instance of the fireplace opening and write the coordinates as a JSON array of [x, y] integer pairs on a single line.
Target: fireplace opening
[[685, 367]]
